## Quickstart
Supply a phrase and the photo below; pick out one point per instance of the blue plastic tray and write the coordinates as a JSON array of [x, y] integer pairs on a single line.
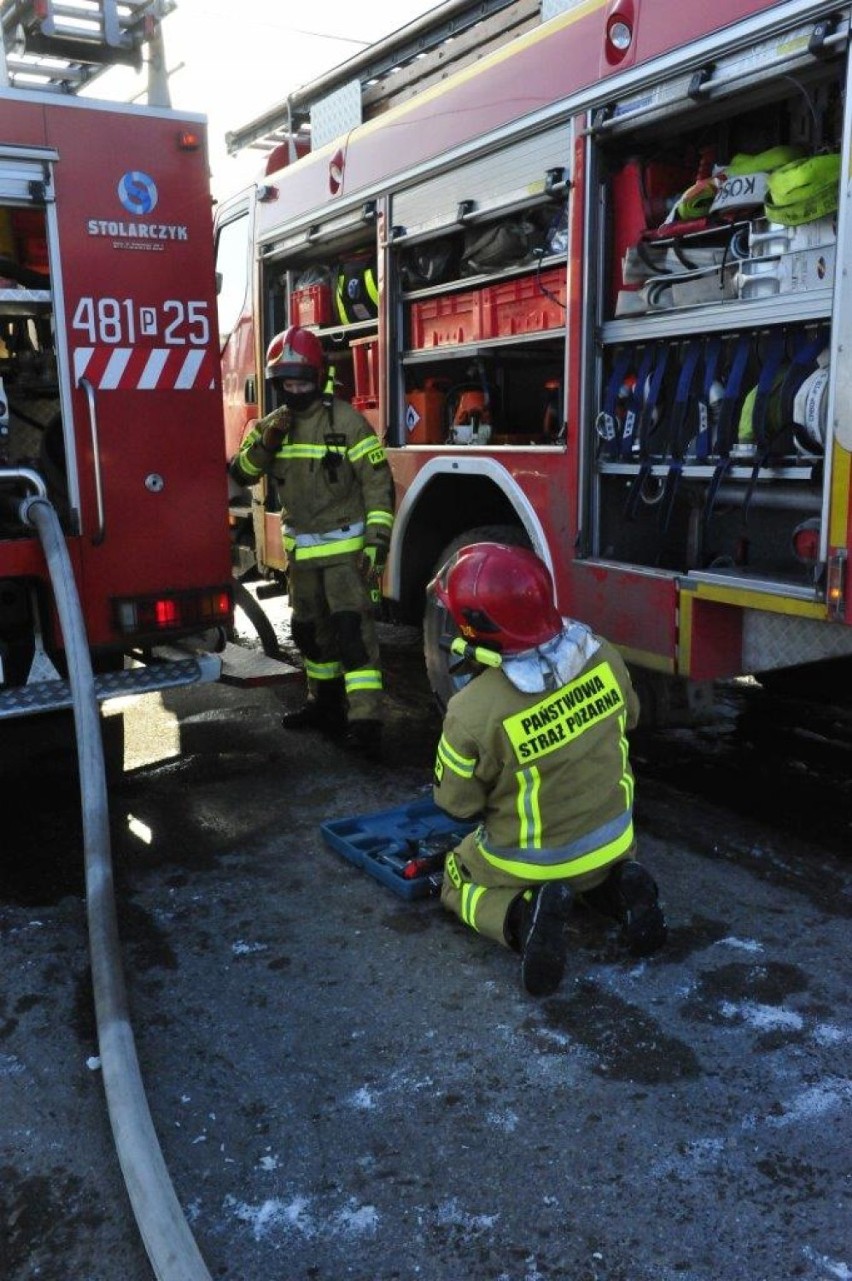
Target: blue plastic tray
[[383, 844]]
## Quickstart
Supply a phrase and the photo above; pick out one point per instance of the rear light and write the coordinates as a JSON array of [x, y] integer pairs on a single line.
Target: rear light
[[835, 584], [172, 611]]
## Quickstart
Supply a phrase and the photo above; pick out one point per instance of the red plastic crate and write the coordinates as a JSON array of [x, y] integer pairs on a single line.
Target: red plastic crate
[[447, 319], [311, 306], [370, 409], [520, 307], [365, 368]]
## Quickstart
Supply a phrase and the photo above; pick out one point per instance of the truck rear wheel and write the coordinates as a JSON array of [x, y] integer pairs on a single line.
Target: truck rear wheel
[[439, 627]]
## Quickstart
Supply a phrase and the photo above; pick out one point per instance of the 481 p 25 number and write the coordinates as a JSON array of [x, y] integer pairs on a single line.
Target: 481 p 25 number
[[123, 321]]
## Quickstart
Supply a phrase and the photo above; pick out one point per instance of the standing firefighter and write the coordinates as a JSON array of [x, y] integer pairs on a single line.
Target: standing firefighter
[[535, 746], [337, 496]]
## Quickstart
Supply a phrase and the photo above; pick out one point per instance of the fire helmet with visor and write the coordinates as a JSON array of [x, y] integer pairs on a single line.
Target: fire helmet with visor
[[498, 596]]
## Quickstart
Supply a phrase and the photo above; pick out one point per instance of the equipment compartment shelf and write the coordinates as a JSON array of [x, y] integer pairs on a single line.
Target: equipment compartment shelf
[[816, 304], [739, 470], [472, 282]]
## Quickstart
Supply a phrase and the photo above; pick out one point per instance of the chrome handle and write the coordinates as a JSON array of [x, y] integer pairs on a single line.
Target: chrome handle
[[86, 386]]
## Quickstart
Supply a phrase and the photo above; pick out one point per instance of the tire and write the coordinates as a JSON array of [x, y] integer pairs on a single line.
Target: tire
[[438, 627]]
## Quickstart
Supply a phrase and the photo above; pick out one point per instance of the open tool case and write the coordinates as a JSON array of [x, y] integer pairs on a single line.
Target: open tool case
[[403, 848]]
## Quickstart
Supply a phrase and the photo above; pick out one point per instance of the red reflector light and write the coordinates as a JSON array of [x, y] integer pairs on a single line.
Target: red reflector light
[[173, 612], [188, 140], [806, 538], [166, 613]]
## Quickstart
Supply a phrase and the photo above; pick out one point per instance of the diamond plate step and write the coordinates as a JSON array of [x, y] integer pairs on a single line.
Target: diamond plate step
[[53, 696]]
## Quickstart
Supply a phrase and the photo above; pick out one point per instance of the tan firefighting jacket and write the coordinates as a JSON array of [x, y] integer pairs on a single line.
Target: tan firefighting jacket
[[547, 773], [334, 481]]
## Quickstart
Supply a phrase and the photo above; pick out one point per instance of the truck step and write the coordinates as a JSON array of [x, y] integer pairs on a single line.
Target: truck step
[[53, 696], [248, 667]]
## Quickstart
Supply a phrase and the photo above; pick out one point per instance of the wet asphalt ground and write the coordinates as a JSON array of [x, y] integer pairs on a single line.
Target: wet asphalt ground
[[346, 1084]]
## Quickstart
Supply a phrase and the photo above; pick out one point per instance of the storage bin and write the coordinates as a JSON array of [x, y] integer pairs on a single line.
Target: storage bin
[[369, 408], [365, 368], [521, 307], [447, 319], [311, 306]]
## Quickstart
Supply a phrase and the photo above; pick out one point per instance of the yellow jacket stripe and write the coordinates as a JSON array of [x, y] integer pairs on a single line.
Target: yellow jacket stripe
[[453, 760], [596, 849], [529, 812]]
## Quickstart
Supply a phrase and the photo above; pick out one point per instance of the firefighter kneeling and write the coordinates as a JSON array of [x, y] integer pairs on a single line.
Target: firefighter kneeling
[[536, 748], [338, 503]]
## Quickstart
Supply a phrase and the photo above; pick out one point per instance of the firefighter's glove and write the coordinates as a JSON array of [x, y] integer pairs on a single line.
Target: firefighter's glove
[[275, 427], [372, 562]]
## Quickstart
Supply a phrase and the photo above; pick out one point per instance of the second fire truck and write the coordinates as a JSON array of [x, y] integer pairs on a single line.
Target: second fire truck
[[590, 290]]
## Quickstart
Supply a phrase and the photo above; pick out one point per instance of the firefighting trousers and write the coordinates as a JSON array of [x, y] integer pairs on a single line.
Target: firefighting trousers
[[333, 627], [481, 895]]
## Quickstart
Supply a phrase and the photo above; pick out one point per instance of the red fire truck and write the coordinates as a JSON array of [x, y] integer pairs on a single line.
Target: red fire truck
[[110, 404], [588, 283]]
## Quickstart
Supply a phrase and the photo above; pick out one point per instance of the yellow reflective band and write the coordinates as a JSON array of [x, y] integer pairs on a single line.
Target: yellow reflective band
[[364, 679], [341, 548], [248, 468], [530, 871], [470, 896], [529, 813], [560, 718], [626, 777], [301, 451], [372, 287], [367, 448], [322, 671], [380, 518], [461, 765], [451, 868]]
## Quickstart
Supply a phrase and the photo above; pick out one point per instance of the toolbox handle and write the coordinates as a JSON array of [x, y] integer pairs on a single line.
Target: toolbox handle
[[86, 386]]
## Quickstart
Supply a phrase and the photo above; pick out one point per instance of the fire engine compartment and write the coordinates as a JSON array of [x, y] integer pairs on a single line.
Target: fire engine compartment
[[30, 419], [706, 455]]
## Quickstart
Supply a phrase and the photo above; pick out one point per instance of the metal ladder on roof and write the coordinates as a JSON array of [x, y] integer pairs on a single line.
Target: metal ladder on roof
[[62, 45]]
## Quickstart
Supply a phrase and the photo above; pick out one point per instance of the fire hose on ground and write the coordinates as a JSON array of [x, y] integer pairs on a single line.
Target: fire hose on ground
[[171, 1248]]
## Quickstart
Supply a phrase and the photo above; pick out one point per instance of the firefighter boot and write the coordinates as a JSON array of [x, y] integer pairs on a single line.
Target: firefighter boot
[[633, 899], [543, 937], [364, 738], [325, 710]]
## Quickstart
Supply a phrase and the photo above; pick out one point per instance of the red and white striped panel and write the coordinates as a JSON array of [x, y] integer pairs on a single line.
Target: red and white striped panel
[[145, 368]]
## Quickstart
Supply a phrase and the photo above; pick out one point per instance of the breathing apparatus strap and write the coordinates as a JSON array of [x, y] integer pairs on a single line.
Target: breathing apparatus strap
[[606, 423], [645, 423], [633, 412], [328, 394], [762, 439], [703, 438], [683, 398], [726, 429]]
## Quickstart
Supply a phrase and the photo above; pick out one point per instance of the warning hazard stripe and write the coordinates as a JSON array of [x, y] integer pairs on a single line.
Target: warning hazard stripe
[[144, 368]]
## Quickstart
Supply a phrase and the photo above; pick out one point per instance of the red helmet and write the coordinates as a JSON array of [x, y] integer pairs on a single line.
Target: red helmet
[[296, 353], [499, 596]]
